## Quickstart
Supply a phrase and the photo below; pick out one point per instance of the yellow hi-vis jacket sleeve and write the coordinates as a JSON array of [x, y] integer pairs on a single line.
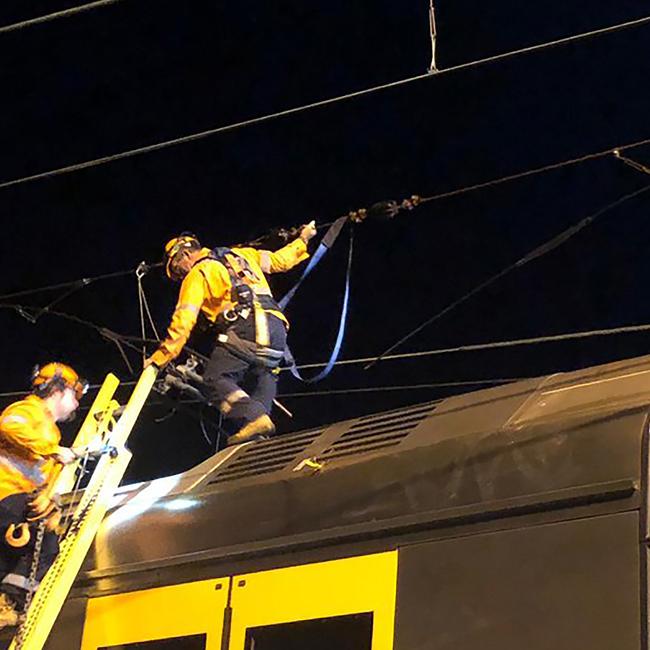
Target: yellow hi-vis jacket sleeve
[[29, 438], [281, 260], [24, 428], [188, 307]]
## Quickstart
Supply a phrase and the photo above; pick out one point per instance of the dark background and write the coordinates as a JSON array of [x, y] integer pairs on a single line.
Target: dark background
[[140, 72]]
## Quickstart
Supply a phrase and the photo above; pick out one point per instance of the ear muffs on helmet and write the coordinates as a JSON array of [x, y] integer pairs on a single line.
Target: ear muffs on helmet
[[185, 241], [57, 375]]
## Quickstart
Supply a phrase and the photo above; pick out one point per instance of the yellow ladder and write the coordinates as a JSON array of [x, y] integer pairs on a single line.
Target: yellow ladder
[[89, 513]]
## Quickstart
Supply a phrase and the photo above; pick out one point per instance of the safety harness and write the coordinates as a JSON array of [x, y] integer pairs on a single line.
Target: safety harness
[[249, 298]]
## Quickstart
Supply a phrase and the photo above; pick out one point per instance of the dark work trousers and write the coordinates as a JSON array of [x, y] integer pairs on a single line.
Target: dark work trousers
[[16, 563], [228, 373]]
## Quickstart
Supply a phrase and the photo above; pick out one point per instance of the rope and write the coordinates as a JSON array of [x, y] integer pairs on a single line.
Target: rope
[[319, 104], [151, 321], [539, 251], [81, 473], [632, 163], [66, 13], [433, 33], [141, 310], [118, 343], [143, 305]]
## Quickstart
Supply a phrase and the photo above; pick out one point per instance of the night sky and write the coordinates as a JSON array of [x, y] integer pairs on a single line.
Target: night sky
[[140, 72]]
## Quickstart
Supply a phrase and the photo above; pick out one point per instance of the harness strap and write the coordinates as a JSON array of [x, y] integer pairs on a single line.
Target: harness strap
[[250, 352], [288, 356], [325, 244], [245, 297]]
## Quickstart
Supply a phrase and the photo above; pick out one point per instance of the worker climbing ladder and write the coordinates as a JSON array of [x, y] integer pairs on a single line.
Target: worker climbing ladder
[[102, 422]]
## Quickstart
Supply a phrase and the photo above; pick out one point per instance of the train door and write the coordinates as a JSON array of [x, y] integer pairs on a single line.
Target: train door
[[180, 617], [345, 604]]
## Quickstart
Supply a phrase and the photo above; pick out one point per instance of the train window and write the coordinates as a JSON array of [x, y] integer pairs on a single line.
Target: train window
[[347, 604], [352, 632], [194, 642]]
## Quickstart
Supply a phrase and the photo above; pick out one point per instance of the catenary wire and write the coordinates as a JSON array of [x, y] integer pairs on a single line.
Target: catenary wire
[[57, 15], [325, 102], [82, 282]]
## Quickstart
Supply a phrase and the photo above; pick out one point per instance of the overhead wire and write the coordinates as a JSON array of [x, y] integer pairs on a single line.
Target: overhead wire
[[57, 15], [384, 389], [536, 170], [118, 339], [615, 150], [474, 347], [365, 389], [131, 341], [325, 102], [495, 345], [91, 388], [83, 282], [537, 252]]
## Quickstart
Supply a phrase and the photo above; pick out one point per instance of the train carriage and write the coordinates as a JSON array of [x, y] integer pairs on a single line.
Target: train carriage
[[506, 518]]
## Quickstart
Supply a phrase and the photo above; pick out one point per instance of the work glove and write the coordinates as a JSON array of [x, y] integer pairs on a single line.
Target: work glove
[[308, 231], [66, 455], [42, 505]]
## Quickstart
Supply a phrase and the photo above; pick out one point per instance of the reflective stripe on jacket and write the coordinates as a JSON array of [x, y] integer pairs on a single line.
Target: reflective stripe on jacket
[[29, 437]]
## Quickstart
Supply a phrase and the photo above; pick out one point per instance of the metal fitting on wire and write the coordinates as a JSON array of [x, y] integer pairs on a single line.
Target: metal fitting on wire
[[384, 210], [142, 270]]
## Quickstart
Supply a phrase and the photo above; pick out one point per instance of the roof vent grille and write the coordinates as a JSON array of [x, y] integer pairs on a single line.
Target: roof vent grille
[[266, 456], [374, 433]]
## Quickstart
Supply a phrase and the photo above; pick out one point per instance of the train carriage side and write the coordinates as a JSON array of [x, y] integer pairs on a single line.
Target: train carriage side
[[506, 518]]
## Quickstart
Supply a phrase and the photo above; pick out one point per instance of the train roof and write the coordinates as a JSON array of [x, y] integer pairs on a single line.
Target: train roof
[[547, 442]]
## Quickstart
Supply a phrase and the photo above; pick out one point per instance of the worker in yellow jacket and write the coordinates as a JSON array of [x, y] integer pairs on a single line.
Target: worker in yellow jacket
[[30, 451], [229, 287]]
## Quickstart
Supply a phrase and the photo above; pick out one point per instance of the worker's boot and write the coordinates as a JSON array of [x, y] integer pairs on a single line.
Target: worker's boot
[[8, 613], [260, 428]]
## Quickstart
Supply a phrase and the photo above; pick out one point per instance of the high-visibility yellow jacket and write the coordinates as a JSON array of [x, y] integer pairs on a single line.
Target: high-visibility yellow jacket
[[29, 437], [206, 288]]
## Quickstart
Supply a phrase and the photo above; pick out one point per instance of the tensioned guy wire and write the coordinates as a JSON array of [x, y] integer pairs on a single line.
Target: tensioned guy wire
[[537, 252]]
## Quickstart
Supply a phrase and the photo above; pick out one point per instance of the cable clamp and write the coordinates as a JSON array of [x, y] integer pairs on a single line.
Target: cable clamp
[[142, 270]]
